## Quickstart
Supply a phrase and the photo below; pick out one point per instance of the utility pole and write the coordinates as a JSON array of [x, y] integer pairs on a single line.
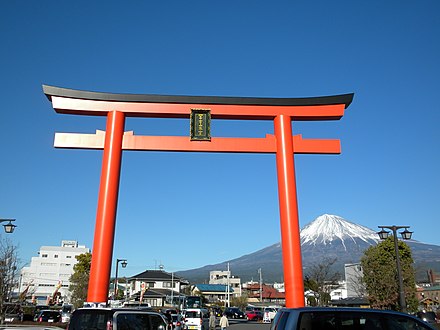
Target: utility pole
[[261, 285], [172, 289], [227, 287]]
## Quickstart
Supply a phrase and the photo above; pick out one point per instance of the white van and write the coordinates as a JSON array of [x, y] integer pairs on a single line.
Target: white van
[[196, 319], [269, 314]]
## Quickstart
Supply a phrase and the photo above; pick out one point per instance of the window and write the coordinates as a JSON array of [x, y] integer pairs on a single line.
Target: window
[[281, 319], [55, 256], [132, 321], [44, 255], [351, 321], [312, 321], [157, 322], [398, 322]]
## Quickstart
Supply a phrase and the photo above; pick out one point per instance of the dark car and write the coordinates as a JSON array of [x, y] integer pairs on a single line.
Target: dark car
[[48, 316], [317, 318], [217, 311], [117, 318], [428, 317], [234, 313], [177, 321]]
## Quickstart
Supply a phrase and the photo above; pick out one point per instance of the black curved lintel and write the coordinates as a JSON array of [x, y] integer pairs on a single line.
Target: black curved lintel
[[51, 91]]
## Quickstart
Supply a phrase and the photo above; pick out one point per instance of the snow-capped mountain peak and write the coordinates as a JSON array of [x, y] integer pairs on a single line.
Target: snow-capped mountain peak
[[328, 228]]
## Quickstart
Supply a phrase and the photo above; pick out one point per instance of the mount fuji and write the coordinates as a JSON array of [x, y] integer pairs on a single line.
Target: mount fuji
[[328, 236]]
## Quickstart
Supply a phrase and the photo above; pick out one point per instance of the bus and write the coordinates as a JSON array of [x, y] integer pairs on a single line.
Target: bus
[[193, 302]]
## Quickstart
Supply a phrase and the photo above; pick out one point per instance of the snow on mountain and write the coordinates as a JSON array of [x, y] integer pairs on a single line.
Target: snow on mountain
[[328, 236], [326, 229]]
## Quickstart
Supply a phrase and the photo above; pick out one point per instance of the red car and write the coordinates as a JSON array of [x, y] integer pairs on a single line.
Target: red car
[[254, 315]]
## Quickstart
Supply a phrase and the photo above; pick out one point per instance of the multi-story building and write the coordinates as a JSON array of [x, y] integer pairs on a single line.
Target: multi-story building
[[355, 287], [224, 277], [47, 276], [213, 293], [264, 294]]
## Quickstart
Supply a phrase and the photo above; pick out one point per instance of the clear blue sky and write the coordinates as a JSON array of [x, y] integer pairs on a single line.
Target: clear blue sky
[[386, 52]]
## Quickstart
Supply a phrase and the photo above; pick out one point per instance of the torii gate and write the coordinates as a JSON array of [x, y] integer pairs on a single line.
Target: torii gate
[[116, 107]]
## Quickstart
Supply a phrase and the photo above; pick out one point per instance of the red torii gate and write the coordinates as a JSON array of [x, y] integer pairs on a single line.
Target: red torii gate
[[116, 107]]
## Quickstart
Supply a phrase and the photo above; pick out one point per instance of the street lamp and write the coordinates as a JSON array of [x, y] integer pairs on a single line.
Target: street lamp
[[9, 227], [124, 264], [406, 234]]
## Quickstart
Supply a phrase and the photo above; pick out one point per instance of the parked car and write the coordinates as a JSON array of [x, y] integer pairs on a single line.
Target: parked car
[[48, 315], [253, 308], [177, 321], [37, 309], [196, 319], [254, 315], [234, 313], [269, 314], [428, 317], [12, 312], [317, 318], [65, 317], [117, 318], [218, 312]]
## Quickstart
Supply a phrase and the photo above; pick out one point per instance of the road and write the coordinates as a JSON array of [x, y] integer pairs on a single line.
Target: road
[[239, 325]]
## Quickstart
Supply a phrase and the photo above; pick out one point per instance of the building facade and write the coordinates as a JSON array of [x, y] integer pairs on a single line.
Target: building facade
[[353, 278], [46, 279], [157, 288], [213, 293], [264, 294], [224, 277]]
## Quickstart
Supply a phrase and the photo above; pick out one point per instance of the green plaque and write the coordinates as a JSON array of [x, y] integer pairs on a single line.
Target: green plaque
[[200, 125]]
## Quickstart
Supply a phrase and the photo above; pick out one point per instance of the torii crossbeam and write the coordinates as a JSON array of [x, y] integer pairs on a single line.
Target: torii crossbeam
[[116, 107]]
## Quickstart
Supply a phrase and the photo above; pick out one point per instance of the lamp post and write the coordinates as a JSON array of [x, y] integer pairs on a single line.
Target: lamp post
[[124, 264], [406, 234], [9, 227]]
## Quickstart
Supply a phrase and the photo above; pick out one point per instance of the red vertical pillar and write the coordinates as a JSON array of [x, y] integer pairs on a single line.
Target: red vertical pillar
[[106, 212], [290, 231]]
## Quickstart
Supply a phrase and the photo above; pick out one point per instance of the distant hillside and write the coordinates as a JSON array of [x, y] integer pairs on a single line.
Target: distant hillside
[[326, 236]]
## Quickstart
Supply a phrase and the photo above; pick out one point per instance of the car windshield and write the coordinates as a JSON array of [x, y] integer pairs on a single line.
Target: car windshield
[[95, 319], [192, 314]]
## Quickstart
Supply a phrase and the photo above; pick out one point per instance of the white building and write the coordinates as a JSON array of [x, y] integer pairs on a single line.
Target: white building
[[50, 272], [339, 292], [279, 286], [353, 275], [157, 288], [224, 277]]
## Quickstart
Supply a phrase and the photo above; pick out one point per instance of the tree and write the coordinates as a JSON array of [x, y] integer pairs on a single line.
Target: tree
[[380, 275], [8, 275], [241, 301], [79, 281], [321, 279]]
